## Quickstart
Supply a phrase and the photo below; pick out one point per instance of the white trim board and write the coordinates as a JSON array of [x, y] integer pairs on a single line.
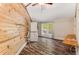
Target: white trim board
[[21, 48]]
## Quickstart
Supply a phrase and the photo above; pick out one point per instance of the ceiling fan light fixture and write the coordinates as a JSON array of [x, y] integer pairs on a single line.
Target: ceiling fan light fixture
[[41, 3]]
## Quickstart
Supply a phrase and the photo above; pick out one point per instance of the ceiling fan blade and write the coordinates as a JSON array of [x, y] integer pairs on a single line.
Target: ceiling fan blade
[[49, 3], [28, 4], [34, 4]]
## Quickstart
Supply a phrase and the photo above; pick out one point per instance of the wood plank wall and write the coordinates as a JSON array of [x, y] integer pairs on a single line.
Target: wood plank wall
[[14, 27]]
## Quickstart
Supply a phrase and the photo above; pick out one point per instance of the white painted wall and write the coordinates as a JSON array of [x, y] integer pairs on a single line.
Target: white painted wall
[[77, 28], [63, 27]]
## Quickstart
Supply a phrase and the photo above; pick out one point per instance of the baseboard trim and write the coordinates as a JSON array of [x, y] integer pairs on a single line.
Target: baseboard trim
[[21, 48], [45, 37]]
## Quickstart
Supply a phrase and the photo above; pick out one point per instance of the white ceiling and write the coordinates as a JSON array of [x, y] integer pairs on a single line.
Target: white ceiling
[[49, 13]]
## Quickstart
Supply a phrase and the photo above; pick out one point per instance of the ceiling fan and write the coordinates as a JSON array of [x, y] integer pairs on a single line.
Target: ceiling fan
[[34, 4]]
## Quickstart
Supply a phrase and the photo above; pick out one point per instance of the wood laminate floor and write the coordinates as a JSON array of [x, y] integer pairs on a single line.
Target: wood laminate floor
[[45, 46]]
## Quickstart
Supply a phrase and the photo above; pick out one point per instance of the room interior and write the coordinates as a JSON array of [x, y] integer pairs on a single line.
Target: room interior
[[39, 29]]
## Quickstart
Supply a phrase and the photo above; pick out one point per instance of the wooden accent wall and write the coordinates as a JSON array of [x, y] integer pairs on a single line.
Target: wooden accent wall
[[14, 27]]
